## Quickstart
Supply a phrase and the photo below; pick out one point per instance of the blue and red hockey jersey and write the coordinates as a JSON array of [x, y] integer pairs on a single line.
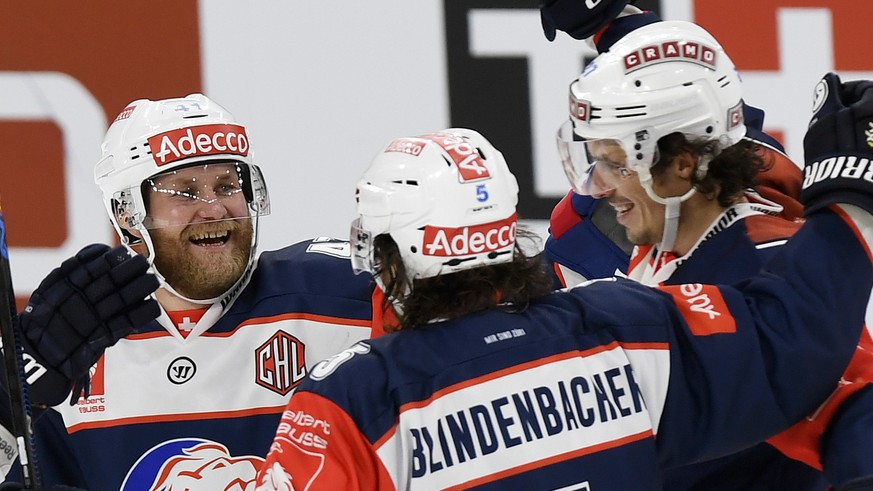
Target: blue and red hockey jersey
[[168, 411], [599, 387]]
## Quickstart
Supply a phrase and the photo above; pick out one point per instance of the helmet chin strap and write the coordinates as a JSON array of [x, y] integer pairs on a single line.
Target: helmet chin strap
[[237, 286], [673, 206]]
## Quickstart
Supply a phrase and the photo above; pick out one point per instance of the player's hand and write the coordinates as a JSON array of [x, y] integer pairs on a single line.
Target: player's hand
[[578, 18], [838, 146], [82, 307]]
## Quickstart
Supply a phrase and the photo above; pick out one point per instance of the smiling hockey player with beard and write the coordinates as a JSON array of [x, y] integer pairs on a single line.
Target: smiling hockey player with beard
[[192, 398]]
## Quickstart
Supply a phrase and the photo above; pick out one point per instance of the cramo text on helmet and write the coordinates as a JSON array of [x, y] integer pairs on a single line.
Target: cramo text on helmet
[[199, 141], [476, 239]]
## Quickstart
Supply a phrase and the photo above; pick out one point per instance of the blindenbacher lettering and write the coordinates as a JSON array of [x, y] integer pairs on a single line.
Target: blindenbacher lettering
[[198, 141], [578, 403], [488, 237]]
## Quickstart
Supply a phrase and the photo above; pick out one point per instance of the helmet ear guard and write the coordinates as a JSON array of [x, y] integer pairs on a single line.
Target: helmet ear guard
[[125, 219], [447, 199]]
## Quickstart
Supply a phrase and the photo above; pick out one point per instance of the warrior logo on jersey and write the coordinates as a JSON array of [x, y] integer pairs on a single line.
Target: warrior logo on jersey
[[280, 363], [181, 370], [191, 463]]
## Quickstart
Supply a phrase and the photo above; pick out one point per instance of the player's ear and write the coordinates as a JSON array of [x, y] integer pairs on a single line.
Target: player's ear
[[684, 164]]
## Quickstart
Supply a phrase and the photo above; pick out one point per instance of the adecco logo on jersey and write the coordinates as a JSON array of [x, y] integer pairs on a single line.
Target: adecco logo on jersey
[[463, 241], [199, 141]]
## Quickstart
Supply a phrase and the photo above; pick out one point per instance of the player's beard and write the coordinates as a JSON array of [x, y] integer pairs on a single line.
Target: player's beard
[[203, 276]]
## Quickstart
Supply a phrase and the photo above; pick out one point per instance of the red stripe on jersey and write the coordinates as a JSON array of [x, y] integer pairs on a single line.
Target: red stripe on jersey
[[507, 371], [553, 460], [703, 308], [325, 319], [514, 369], [522, 367], [560, 274], [163, 418], [321, 448]]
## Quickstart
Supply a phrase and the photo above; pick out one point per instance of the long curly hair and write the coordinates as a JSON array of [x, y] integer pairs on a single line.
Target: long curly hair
[[732, 169], [512, 285]]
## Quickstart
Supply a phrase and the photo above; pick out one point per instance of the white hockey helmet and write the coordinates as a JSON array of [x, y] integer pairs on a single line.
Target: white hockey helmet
[[447, 199], [666, 77], [151, 138]]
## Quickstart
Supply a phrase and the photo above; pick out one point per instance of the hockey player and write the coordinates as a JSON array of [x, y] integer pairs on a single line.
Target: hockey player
[[683, 201], [191, 400], [492, 383], [578, 247], [585, 241]]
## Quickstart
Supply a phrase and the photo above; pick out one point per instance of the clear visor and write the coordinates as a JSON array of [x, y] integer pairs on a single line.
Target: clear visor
[[201, 193], [594, 167], [361, 242]]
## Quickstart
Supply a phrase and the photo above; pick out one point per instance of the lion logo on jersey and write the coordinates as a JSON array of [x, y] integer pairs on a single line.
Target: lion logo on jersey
[[192, 464]]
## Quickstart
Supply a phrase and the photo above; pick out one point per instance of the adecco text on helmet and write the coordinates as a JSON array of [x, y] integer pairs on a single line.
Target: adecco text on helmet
[[488, 237], [199, 141]]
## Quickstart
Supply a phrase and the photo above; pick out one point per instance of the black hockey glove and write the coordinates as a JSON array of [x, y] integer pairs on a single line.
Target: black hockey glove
[[838, 146], [82, 307], [576, 18]]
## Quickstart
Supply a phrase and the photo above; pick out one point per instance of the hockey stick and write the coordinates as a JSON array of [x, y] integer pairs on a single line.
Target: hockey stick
[[21, 420]]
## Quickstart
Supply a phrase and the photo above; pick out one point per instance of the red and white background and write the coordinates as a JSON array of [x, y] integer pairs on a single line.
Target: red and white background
[[322, 86]]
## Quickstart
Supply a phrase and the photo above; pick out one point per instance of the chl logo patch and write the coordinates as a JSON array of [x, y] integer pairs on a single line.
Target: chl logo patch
[[280, 363], [181, 370]]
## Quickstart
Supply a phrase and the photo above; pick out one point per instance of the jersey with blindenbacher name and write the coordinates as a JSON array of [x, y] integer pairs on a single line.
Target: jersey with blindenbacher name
[[198, 411], [598, 388]]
